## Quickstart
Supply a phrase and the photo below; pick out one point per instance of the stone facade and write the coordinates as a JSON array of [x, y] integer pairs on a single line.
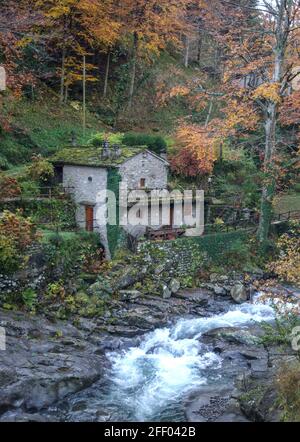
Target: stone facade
[[144, 170], [148, 167], [85, 183]]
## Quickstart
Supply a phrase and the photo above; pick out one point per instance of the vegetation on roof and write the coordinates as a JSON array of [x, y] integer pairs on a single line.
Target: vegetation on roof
[[155, 143], [93, 156]]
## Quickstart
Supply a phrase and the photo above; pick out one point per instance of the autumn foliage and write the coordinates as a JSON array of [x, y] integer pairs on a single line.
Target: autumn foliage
[[196, 152], [287, 266], [9, 187]]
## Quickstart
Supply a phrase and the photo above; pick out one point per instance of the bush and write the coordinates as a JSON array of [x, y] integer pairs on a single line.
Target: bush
[[67, 257], [19, 229], [287, 265], [98, 139], [155, 143], [288, 386], [16, 234], [29, 299], [30, 188], [9, 187], [238, 255], [9, 257], [40, 170]]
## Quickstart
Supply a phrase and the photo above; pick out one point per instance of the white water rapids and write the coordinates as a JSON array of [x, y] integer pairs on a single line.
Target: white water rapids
[[147, 380]]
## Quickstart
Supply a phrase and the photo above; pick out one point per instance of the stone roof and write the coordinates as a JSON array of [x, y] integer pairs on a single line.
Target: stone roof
[[92, 156]]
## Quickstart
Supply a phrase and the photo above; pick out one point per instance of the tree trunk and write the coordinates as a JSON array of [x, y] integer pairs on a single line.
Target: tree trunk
[[199, 48], [282, 27], [187, 52], [63, 73], [209, 112], [133, 71], [106, 75], [268, 186], [66, 94]]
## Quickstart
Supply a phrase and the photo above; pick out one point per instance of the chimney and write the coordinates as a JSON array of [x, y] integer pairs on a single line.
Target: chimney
[[117, 151], [105, 149]]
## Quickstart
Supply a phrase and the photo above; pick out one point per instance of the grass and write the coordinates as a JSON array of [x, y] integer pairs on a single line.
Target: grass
[[287, 202], [46, 234], [43, 126]]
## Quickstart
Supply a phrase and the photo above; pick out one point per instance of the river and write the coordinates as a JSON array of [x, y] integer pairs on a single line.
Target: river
[[149, 382]]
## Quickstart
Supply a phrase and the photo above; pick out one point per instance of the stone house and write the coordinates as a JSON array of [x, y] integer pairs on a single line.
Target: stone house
[[86, 171]]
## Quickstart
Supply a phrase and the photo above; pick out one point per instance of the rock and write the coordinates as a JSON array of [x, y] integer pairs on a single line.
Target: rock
[[211, 404], [223, 278], [159, 269], [130, 295], [166, 293], [174, 286], [100, 288], [220, 291], [214, 277], [239, 293], [39, 369], [130, 277]]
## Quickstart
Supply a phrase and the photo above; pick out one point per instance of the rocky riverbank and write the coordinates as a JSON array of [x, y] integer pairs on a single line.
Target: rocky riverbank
[[46, 362]]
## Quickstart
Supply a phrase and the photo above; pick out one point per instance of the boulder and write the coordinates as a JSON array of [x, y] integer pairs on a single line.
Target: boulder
[[130, 277], [166, 292], [130, 295], [174, 285], [220, 291], [239, 293]]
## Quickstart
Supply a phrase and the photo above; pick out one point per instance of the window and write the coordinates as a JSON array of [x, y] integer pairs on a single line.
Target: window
[[143, 183], [90, 179]]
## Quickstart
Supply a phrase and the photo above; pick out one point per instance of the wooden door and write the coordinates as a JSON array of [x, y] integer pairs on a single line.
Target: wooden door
[[89, 218], [171, 216]]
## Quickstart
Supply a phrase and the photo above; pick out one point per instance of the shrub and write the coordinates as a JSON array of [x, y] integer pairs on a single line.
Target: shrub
[[68, 257], [156, 143], [238, 255], [9, 187], [29, 298], [9, 257], [287, 265], [280, 332], [19, 229], [98, 139], [40, 169], [16, 234], [288, 386]]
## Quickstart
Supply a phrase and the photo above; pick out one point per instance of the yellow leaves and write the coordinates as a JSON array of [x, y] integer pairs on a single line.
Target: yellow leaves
[[58, 11], [199, 141], [24, 42], [268, 91], [287, 266], [177, 91]]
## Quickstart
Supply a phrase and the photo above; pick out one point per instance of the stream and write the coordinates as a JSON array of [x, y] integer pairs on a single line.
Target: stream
[[150, 381]]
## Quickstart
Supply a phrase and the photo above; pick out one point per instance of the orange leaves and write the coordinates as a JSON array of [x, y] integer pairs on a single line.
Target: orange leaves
[[290, 109], [240, 114], [197, 154], [179, 91], [155, 22], [9, 187], [19, 229]]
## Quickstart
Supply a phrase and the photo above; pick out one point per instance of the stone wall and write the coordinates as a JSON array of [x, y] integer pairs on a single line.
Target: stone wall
[[86, 183], [33, 275], [147, 166]]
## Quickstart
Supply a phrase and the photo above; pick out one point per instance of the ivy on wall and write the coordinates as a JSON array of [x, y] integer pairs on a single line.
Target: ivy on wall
[[188, 254], [115, 233]]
